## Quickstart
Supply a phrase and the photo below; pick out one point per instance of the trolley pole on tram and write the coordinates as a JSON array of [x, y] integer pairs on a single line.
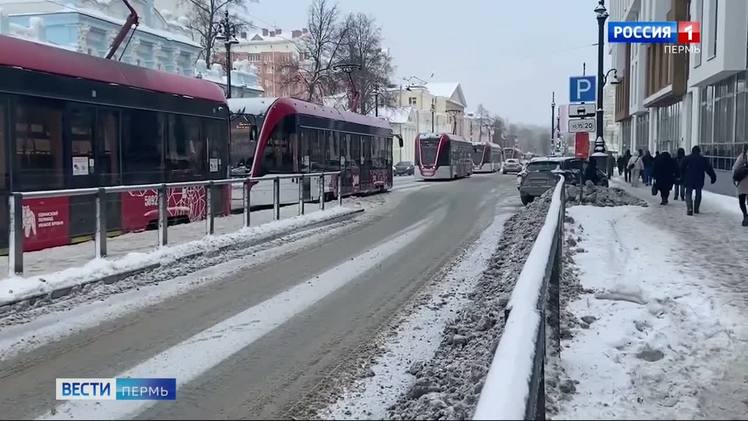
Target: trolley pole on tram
[[227, 32]]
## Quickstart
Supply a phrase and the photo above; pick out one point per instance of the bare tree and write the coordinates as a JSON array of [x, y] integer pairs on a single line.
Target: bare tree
[[362, 45], [204, 16], [318, 49]]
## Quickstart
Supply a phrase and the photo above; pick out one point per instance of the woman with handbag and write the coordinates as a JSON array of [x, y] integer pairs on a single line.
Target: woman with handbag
[[740, 177]]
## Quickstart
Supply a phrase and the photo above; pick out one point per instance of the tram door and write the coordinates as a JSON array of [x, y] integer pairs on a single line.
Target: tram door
[[80, 169], [366, 163], [4, 174]]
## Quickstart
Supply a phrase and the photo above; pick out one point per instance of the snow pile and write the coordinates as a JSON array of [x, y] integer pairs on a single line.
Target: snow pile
[[601, 196], [17, 288], [449, 385], [414, 338], [650, 339]]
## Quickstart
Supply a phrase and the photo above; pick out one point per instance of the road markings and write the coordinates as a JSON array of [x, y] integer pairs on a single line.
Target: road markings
[[193, 357]]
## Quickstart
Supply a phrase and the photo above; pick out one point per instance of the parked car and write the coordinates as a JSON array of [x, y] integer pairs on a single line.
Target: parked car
[[511, 165], [538, 175], [404, 168]]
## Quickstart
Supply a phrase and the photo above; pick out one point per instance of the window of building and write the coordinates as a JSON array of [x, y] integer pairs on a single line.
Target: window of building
[[668, 127], [107, 141], [142, 146], [741, 108], [724, 108], [706, 114], [642, 132], [626, 134], [39, 147], [713, 29], [699, 15], [413, 101]]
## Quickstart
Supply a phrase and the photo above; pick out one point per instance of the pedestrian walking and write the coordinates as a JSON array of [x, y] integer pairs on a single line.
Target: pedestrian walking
[[665, 172], [626, 170], [740, 177], [694, 168], [680, 188], [635, 167], [648, 162]]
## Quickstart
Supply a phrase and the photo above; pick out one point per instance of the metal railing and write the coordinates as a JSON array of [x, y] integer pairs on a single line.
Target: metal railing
[[515, 384], [15, 199]]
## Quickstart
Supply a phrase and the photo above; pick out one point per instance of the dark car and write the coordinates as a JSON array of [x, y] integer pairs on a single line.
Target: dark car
[[404, 168], [539, 176]]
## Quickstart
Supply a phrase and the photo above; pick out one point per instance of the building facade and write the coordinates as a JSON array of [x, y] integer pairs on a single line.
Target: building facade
[[89, 26], [672, 100], [275, 53], [440, 107]]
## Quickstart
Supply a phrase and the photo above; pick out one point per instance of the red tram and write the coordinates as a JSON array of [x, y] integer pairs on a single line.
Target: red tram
[[443, 156], [290, 136], [70, 120], [487, 157]]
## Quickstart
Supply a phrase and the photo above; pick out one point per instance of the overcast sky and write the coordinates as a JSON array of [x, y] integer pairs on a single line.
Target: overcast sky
[[507, 54]]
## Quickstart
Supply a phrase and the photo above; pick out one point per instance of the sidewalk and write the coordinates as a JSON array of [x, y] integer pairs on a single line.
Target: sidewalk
[[665, 307]]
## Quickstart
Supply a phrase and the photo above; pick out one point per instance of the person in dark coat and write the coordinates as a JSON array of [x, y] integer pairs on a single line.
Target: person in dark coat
[[648, 162], [665, 172], [680, 189], [624, 164], [694, 168], [590, 173]]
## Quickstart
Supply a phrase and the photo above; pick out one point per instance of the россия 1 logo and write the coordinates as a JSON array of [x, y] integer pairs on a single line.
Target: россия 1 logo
[[665, 32]]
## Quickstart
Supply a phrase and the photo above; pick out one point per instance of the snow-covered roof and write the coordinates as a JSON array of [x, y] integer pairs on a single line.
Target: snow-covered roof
[[256, 106], [450, 90], [396, 115], [70, 8]]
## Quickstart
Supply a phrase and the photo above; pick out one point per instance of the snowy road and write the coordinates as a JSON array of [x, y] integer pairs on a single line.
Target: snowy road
[[252, 342]]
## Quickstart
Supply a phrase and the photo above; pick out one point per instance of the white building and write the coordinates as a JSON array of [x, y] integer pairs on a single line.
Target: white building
[[668, 100], [89, 26], [244, 81]]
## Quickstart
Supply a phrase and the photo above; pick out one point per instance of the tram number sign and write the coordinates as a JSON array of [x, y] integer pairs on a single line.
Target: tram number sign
[[581, 125]]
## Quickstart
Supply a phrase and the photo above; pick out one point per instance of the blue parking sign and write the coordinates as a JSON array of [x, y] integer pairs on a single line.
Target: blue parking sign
[[582, 89]]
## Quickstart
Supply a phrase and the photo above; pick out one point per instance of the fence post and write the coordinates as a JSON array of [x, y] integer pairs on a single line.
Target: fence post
[[246, 202], [209, 217], [163, 216], [322, 192], [340, 188], [101, 226], [15, 234], [276, 198], [301, 195]]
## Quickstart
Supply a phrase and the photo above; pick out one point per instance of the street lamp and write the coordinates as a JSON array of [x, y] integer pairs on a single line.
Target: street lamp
[[226, 31], [602, 15], [453, 114], [553, 115], [349, 68]]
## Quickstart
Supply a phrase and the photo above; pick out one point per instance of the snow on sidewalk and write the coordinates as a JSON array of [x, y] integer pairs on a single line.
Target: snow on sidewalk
[[65, 267], [670, 306]]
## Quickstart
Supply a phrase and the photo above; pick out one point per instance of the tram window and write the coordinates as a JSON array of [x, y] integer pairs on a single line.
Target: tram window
[[39, 147], [217, 138], [333, 151], [243, 141], [444, 154], [317, 155], [142, 150], [185, 150], [107, 139], [4, 176], [355, 149], [279, 156], [366, 147]]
